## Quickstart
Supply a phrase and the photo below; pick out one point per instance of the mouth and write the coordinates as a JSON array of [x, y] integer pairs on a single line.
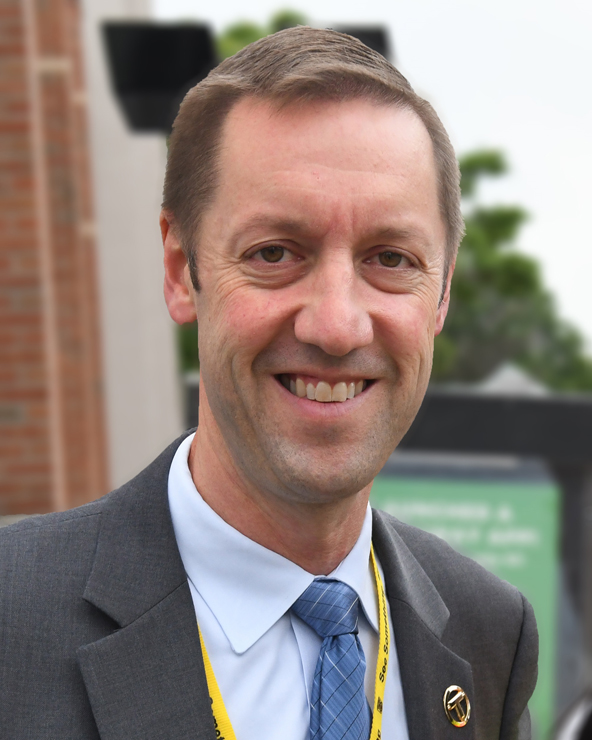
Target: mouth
[[314, 389]]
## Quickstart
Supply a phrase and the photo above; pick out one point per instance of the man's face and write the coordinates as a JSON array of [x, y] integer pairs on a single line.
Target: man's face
[[321, 265]]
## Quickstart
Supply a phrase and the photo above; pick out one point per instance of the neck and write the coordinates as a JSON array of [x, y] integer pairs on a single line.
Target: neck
[[317, 537]]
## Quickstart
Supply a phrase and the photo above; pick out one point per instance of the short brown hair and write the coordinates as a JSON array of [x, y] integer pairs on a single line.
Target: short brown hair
[[297, 64]]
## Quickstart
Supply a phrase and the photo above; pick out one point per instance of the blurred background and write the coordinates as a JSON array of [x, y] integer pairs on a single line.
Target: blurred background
[[95, 379]]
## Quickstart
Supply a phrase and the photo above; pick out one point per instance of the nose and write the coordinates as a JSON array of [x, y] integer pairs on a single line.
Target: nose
[[333, 316]]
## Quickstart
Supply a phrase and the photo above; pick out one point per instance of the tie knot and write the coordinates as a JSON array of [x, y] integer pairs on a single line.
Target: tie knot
[[330, 607]]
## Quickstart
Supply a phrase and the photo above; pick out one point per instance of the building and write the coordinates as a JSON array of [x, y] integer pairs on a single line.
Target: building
[[88, 382]]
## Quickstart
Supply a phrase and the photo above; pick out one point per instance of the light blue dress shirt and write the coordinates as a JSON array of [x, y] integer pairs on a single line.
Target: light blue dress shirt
[[263, 655]]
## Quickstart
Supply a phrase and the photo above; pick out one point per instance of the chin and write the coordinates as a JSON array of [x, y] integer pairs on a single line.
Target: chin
[[311, 479]]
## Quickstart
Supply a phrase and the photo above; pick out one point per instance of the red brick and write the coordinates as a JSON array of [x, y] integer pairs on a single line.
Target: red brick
[[26, 478]]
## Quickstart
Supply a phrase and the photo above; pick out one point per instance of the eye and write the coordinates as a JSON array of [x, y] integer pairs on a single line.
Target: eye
[[273, 254], [390, 259]]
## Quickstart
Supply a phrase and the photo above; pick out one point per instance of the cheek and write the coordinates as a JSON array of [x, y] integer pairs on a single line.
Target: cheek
[[407, 325], [246, 322]]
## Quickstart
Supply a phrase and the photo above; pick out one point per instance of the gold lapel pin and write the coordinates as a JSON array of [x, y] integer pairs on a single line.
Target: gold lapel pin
[[457, 706]]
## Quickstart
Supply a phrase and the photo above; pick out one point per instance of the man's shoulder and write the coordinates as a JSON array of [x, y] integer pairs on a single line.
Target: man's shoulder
[[452, 602], [37, 549], [31, 536], [464, 584], [59, 526], [45, 562], [481, 617]]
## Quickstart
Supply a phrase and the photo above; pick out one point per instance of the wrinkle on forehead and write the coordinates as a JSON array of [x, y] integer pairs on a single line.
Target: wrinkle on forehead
[[362, 181]]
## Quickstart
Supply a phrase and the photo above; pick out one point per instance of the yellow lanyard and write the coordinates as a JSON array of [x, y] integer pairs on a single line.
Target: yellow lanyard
[[222, 723]]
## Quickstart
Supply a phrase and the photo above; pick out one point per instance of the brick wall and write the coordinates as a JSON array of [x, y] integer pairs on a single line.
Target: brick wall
[[52, 441]]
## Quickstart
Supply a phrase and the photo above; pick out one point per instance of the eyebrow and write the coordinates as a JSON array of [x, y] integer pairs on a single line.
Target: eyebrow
[[303, 228], [400, 233], [283, 224]]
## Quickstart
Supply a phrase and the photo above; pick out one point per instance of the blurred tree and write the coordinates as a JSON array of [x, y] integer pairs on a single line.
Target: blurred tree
[[235, 37], [286, 19], [187, 347], [500, 310]]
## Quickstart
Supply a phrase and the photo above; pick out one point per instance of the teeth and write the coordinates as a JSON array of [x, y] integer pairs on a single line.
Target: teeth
[[339, 392], [323, 392]]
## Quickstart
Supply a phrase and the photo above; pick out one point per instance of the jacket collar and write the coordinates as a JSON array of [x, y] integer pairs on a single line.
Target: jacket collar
[[419, 617], [137, 562], [406, 580]]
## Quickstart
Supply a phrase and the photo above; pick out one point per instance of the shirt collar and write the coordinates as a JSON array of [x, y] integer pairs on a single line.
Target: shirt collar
[[246, 586]]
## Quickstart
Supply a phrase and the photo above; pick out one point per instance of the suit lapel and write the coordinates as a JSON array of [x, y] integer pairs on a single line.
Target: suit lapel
[[146, 680], [419, 618]]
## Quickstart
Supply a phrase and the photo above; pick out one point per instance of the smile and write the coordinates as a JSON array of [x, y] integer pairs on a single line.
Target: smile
[[320, 390]]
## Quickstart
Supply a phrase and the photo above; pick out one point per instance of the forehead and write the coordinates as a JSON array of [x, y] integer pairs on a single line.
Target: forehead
[[355, 155], [309, 128]]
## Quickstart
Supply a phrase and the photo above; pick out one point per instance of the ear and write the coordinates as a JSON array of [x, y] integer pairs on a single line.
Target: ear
[[444, 302], [178, 290]]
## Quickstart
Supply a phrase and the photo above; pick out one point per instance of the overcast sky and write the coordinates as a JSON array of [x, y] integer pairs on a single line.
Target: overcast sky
[[510, 74]]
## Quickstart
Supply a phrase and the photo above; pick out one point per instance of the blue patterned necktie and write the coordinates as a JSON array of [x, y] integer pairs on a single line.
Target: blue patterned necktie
[[339, 709]]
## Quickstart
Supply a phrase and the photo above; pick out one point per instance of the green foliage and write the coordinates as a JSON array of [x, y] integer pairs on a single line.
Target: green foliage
[[187, 347], [479, 163], [235, 37], [286, 19], [500, 310]]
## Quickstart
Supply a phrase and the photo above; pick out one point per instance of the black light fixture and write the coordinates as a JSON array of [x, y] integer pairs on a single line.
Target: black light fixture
[[152, 65], [375, 37]]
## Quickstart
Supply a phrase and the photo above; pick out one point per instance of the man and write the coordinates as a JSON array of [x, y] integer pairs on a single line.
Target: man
[[310, 224]]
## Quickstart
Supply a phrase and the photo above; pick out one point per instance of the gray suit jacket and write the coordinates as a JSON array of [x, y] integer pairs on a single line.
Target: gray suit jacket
[[98, 637]]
